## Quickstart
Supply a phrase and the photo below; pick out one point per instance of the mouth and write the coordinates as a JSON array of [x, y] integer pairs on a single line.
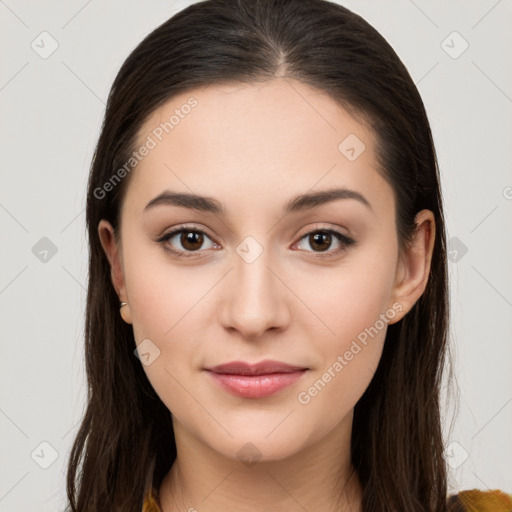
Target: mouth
[[255, 381]]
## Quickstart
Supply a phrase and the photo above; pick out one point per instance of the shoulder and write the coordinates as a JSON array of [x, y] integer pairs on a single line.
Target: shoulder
[[151, 502], [475, 500]]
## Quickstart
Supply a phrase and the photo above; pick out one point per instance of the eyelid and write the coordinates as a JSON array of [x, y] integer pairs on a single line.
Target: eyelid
[[329, 229], [185, 227], [346, 241], [162, 239]]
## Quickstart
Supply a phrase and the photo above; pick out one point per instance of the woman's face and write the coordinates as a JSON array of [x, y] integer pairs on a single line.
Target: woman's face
[[265, 278]]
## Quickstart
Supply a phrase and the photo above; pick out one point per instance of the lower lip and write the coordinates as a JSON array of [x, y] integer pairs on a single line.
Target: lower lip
[[256, 386]]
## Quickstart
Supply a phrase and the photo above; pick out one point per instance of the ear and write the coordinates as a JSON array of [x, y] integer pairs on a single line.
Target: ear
[[413, 266], [113, 252]]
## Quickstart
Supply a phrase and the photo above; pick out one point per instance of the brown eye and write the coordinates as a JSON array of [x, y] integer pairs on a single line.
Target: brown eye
[[320, 241], [186, 241], [191, 240]]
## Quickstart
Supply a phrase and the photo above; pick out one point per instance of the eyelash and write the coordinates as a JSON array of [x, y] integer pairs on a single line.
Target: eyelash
[[344, 240]]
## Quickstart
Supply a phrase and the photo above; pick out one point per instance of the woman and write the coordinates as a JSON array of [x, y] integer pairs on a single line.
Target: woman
[[267, 308]]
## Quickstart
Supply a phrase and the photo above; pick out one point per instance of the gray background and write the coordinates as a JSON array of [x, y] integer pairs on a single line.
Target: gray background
[[51, 110]]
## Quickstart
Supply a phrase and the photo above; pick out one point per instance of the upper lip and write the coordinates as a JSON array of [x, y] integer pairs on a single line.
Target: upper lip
[[262, 368]]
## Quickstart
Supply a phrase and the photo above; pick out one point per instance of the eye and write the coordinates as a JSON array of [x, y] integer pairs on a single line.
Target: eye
[[321, 240], [190, 239]]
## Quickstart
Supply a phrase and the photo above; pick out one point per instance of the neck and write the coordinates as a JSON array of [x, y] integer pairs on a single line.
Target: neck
[[319, 477]]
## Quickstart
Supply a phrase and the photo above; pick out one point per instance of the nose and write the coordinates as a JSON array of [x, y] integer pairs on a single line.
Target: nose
[[255, 298]]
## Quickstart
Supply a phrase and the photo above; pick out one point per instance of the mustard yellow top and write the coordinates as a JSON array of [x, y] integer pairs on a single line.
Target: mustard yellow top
[[472, 500]]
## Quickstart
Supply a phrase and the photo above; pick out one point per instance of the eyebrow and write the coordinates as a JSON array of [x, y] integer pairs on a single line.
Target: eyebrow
[[297, 204]]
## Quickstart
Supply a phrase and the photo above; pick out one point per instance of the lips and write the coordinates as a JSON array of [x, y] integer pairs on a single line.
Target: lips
[[257, 380], [263, 368]]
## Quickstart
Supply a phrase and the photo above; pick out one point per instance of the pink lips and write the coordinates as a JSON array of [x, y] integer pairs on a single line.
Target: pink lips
[[255, 381]]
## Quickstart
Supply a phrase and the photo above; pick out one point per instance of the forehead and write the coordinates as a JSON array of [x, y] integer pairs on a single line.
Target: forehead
[[277, 138]]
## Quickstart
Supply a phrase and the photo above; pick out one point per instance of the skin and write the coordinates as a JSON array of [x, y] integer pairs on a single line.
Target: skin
[[253, 148]]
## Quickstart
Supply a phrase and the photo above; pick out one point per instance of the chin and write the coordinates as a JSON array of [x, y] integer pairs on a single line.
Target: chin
[[259, 443]]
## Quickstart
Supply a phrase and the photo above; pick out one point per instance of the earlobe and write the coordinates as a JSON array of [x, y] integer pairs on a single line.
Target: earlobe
[[413, 266], [112, 251]]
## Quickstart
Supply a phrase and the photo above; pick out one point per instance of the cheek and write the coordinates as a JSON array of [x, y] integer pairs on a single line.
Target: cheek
[[349, 357], [334, 391], [353, 306], [347, 300], [167, 303], [163, 296]]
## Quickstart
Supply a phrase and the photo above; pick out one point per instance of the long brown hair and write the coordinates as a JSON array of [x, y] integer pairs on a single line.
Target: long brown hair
[[125, 443]]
